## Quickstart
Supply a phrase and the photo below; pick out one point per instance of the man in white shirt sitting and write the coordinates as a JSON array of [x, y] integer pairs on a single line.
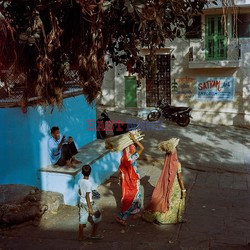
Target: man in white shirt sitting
[[62, 151]]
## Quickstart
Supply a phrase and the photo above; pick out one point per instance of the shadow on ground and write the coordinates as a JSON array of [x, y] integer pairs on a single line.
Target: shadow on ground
[[216, 212]]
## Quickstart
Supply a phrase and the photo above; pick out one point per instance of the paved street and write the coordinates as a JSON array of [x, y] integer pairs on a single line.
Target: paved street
[[216, 169]]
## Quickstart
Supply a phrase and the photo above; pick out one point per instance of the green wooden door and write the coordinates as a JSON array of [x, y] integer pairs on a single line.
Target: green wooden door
[[130, 91], [216, 41]]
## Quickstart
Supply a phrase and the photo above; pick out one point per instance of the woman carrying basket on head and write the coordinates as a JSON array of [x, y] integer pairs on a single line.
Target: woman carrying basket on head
[[130, 182]]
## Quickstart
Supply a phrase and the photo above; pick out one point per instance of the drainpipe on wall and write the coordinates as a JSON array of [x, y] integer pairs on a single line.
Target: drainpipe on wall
[[172, 58]]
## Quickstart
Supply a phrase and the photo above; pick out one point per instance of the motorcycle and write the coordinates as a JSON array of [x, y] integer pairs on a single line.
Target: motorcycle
[[180, 115], [118, 128]]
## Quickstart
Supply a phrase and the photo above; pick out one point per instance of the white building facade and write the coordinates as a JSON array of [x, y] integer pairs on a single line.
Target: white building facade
[[208, 70]]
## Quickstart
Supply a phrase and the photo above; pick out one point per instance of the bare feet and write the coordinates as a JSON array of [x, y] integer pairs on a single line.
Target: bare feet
[[69, 164], [75, 161]]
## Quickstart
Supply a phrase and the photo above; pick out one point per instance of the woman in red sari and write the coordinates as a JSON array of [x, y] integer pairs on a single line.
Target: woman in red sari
[[130, 182]]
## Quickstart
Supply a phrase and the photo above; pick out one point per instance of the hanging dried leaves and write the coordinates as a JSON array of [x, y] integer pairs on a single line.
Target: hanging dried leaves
[[43, 39]]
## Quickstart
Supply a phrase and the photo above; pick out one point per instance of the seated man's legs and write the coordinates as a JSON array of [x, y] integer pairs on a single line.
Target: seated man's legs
[[65, 158], [73, 150]]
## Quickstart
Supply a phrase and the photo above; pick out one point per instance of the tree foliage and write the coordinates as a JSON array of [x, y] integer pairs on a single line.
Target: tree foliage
[[45, 38]]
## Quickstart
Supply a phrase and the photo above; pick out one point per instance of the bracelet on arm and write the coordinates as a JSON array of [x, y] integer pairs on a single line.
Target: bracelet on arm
[[184, 190]]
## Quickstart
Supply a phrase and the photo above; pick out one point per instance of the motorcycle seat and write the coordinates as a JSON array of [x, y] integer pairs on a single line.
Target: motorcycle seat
[[185, 110], [180, 108]]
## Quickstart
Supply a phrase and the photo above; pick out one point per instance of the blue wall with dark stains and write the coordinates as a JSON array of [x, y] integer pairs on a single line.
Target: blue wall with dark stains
[[23, 146]]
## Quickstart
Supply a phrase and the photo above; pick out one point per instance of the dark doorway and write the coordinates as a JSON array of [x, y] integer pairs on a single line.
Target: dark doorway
[[158, 87]]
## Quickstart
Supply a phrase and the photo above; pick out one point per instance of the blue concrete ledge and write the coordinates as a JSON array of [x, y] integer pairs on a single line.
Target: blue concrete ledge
[[60, 179]]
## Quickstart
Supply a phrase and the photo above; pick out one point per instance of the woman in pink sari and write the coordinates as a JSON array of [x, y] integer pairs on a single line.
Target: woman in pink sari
[[130, 182], [168, 200]]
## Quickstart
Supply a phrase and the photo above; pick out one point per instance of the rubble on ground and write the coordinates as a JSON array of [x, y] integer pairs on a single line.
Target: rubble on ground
[[20, 203]]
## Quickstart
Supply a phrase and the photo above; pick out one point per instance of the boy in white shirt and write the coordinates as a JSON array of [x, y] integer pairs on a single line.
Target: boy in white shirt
[[88, 209]]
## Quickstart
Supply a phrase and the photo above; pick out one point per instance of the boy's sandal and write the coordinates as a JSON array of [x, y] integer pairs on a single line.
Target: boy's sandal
[[120, 221], [95, 237]]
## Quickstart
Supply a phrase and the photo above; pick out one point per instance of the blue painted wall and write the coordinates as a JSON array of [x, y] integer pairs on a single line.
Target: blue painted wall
[[67, 184], [23, 146]]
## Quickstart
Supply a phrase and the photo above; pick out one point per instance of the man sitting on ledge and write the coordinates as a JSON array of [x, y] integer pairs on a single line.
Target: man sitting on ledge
[[62, 151]]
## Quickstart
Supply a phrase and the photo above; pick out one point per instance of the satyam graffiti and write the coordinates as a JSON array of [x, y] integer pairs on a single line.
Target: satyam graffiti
[[209, 85], [215, 89]]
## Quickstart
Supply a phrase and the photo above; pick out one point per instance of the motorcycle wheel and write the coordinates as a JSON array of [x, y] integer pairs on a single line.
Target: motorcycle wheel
[[183, 120], [154, 116]]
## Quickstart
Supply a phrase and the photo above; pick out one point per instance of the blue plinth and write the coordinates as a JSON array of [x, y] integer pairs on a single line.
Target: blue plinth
[[103, 164]]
